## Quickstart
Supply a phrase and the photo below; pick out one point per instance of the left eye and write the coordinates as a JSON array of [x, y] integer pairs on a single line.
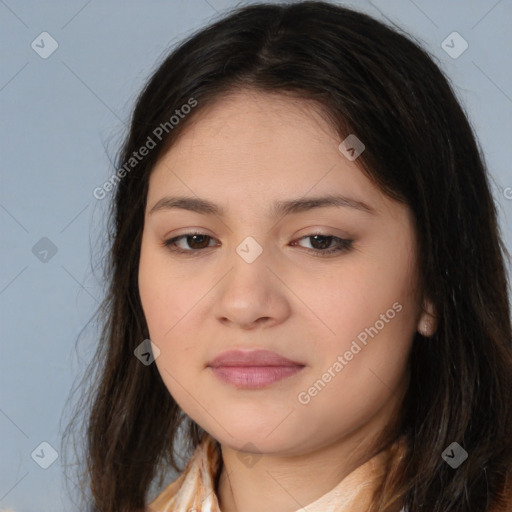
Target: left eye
[[199, 241], [324, 242]]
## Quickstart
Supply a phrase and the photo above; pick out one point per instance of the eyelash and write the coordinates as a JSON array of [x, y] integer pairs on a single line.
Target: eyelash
[[342, 245]]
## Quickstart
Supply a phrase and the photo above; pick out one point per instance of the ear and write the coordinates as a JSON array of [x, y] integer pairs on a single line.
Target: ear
[[427, 323]]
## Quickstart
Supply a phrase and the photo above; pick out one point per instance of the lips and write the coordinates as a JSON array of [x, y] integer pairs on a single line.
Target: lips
[[253, 358], [253, 369]]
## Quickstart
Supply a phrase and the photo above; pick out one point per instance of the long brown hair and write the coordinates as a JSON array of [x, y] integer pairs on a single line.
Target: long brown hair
[[371, 80]]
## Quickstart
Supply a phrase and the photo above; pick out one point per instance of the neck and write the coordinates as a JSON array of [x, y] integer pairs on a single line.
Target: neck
[[290, 482]]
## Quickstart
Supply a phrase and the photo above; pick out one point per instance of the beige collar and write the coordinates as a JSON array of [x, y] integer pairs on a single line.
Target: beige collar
[[194, 489]]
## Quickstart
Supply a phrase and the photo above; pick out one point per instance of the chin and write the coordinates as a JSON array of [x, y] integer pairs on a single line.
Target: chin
[[264, 439]]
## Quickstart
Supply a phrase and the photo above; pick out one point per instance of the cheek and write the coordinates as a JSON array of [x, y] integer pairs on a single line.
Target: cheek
[[169, 302], [166, 302], [357, 296], [151, 290], [364, 364], [371, 313], [165, 297]]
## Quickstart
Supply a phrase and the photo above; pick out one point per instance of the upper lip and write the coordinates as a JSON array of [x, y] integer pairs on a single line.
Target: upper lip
[[251, 358]]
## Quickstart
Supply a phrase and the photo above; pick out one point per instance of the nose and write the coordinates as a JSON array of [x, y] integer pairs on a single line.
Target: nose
[[252, 295]]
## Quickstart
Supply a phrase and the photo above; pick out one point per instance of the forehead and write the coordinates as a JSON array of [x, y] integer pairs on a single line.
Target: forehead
[[258, 146], [256, 118]]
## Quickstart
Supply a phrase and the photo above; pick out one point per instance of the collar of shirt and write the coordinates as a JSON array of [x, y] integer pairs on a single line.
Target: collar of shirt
[[194, 489]]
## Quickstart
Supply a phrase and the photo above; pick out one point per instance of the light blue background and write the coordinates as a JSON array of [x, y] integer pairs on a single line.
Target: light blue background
[[63, 117]]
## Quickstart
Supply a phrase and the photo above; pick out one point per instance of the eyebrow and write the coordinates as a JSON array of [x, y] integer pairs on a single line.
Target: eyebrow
[[279, 208]]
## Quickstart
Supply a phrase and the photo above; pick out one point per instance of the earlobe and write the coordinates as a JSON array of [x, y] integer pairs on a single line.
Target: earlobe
[[427, 323]]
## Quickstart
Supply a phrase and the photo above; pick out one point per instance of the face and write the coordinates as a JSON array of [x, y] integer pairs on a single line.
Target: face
[[332, 288]]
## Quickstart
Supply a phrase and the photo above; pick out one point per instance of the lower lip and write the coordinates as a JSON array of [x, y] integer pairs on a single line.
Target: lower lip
[[254, 377]]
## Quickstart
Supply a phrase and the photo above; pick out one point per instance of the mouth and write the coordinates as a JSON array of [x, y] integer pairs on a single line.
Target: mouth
[[253, 369]]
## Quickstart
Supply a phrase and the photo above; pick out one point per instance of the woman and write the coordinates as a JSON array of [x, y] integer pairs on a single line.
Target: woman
[[303, 228]]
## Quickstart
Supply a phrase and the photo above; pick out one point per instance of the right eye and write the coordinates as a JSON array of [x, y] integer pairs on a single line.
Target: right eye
[[197, 242]]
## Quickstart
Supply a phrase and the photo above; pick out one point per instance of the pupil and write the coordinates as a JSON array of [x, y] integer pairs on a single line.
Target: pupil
[[323, 245], [194, 237]]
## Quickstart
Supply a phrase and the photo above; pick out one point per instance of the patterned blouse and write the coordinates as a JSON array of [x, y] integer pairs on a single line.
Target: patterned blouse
[[194, 489]]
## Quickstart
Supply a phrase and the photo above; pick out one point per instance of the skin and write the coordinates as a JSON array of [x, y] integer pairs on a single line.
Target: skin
[[243, 153]]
